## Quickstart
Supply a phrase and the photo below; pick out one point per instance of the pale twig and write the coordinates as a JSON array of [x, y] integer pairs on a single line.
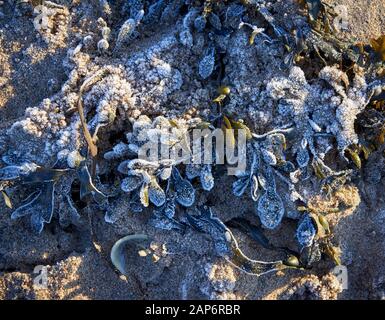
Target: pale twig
[[85, 86]]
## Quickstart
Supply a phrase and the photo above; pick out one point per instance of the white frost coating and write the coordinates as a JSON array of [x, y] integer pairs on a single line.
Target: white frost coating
[[332, 109], [143, 84], [74, 158]]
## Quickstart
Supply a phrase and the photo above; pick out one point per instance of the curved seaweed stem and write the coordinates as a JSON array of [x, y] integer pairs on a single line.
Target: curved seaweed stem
[[211, 224], [116, 255], [84, 87], [254, 267], [272, 132]]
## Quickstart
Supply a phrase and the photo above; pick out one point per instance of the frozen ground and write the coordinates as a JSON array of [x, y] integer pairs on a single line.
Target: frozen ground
[[160, 77]]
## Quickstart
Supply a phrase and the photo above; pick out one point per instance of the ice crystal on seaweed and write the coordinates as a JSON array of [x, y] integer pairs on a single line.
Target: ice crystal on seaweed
[[206, 65], [146, 176], [185, 193], [14, 172], [127, 30], [306, 231], [262, 169], [206, 177], [270, 209], [204, 172], [164, 216], [309, 107]]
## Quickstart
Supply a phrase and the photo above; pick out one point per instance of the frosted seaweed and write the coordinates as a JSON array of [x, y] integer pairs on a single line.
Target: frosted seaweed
[[306, 231], [270, 209], [227, 246], [40, 208], [206, 65], [185, 192], [148, 73]]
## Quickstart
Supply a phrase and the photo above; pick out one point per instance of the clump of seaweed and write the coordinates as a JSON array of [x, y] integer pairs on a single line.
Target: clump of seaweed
[[143, 177], [129, 120], [45, 185], [266, 159], [227, 246]]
